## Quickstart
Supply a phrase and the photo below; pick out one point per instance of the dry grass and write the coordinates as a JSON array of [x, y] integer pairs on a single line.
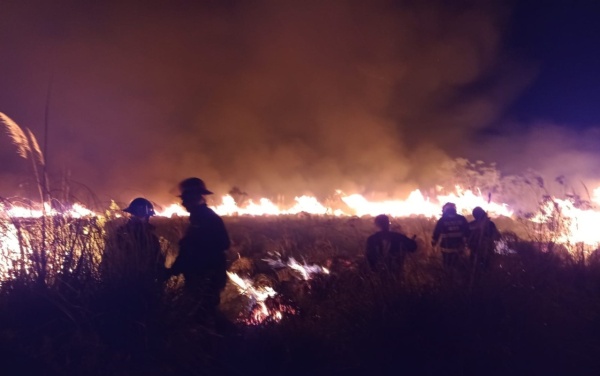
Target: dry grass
[[518, 317]]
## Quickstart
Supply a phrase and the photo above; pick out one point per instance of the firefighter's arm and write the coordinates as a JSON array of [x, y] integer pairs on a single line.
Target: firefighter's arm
[[436, 233], [409, 244], [371, 253], [178, 264], [222, 237], [495, 233]]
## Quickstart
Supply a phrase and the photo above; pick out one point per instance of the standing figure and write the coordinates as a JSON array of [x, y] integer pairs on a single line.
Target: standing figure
[[482, 237], [132, 271], [133, 259], [450, 231], [386, 250], [201, 257]]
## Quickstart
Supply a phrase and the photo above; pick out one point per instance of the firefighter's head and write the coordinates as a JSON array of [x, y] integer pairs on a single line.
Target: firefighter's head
[[192, 192], [140, 207], [479, 213], [449, 208], [382, 221]]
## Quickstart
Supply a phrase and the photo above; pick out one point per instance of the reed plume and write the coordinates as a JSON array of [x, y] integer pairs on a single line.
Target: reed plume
[[36, 147], [17, 135], [27, 145]]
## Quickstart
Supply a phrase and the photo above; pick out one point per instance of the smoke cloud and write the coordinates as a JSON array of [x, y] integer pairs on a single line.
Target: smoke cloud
[[274, 97]]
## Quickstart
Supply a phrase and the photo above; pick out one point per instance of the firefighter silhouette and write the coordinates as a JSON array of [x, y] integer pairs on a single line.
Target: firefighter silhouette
[[450, 231], [386, 250]]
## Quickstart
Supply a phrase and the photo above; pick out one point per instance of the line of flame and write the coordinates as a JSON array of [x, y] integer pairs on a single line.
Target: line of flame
[[580, 226]]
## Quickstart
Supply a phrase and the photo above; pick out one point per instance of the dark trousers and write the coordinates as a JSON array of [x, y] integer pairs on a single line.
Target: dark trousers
[[450, 259], [480, 258], [205, 289]]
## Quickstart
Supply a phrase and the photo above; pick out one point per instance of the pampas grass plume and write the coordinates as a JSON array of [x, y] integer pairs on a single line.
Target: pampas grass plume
[[17, 135], [36, 147]]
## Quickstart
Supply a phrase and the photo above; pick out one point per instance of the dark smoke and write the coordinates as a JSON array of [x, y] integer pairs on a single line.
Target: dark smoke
[[274, 97]]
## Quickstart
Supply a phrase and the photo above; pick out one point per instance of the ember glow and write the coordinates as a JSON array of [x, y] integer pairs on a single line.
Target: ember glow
[[265, 304], [305, 271]]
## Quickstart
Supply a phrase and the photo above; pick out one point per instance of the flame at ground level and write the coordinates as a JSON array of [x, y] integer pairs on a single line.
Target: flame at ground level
[[265, 304], [578, 223], [355, 204]]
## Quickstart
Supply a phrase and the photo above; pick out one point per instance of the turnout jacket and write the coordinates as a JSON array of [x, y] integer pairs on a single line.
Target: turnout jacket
[[482, 235], [388, 247], [451, 231], [132, 256], [202, 248]]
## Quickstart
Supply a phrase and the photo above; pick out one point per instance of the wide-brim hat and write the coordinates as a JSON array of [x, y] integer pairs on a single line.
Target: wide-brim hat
[[193, 186]]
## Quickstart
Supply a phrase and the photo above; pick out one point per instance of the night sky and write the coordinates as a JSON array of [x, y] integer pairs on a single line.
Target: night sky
[[562, 39], [282, 97]]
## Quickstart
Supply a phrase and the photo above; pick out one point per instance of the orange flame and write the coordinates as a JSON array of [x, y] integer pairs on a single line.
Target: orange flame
[[578, 224], [266, 305]]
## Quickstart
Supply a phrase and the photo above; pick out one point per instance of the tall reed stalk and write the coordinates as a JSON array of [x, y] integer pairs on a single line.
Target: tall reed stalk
[[29, 148]]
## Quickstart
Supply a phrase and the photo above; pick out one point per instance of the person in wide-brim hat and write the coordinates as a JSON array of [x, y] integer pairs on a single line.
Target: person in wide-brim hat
[[193, 186], [201, 258]]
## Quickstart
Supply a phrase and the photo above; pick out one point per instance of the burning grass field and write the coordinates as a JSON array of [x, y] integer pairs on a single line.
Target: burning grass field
[[300, 301]]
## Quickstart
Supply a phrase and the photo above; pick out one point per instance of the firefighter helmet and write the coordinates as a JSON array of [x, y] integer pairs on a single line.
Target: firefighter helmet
[[479, 213], [449, 208], [140, 207], [382, 221]]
